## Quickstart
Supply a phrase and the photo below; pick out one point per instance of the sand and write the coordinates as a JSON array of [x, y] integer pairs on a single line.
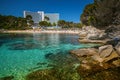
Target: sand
[[42, 31]]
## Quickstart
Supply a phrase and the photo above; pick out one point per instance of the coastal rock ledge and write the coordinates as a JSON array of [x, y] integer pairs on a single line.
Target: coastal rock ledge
[[101, 63]]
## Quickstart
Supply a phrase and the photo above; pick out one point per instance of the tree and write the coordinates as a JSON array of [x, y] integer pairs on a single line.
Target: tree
[[88, 14], [29, 17], [46, 18], [43, 23], [12, 22], [30, 22], [49, 24], [61, 23], [78, 25], [102, 13], [107, 12], [21, 23], [9, 22], [54, 24]]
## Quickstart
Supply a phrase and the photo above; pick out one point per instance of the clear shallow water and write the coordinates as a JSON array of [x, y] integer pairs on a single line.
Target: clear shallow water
[[20, 53]]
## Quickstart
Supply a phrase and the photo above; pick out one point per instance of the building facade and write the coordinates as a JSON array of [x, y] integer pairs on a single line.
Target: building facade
[[53, 18], [40, 15]]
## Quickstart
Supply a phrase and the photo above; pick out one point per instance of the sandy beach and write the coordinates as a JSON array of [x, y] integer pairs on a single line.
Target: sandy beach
[[42, 31]]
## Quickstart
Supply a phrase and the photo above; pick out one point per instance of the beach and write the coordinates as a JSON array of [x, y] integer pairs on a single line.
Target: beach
[[42, 31]]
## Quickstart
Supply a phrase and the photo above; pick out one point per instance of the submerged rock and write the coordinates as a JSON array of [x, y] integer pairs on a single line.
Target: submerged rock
[[62, 59], [22, 46], [98, 73], [48, 55], [63, 73], [41, 63], [63, 67], [7, 78]]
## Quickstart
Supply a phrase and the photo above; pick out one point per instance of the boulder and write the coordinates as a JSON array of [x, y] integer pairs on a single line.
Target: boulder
[[117, 47], [105, 51], [85, 66], [112, 31], [93, 36], [114, 41], [97, 58], [114, 56], [84, 52], [98, 73], [82, 34], [102, 36], [116, 63]]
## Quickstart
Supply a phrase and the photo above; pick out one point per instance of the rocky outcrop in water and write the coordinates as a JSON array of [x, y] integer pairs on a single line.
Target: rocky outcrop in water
[[84, 52], [102, 60], [96, 61], [92, 35], [105, 51]]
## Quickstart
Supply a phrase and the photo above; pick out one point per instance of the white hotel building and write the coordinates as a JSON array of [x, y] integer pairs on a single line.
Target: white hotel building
[[39, 16]]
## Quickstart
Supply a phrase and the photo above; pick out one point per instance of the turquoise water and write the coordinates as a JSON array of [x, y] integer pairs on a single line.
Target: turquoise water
[[20, 54]]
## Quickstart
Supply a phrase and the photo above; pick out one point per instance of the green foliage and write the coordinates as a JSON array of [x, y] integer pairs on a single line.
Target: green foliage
[[102, 13], [45, 24], [65, 24], [88, 13], [30, 22], [21, 23], [54, 24], [46, 18], [78, 25], [61, 23], [28, 17], [12, 22]]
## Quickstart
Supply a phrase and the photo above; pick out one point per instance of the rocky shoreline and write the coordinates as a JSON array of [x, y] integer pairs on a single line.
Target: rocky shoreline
[[97, 63], [103, 62]]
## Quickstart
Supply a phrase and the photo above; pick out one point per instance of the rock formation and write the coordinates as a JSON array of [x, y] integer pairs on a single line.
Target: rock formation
[[96, 61], [92, 35], [117, 47], [113, 31], [105, 51]]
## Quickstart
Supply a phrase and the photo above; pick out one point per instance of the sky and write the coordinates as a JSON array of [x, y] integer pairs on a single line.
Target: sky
[[69, 10]]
